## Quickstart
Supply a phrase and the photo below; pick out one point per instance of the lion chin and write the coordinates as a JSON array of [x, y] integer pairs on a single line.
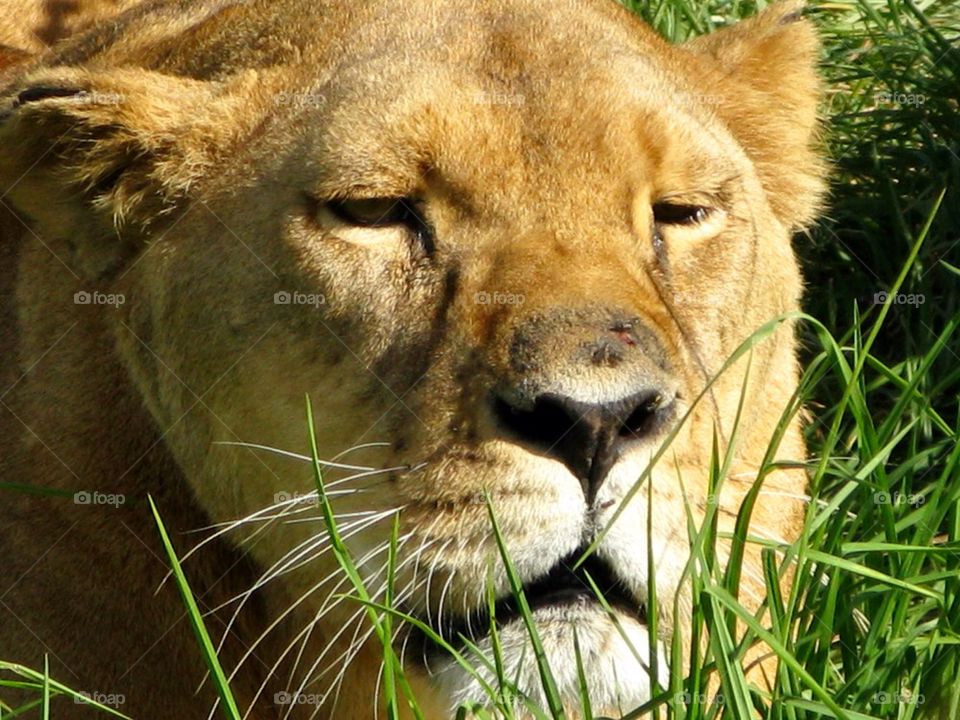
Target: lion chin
[[614, 664], [514, 252]]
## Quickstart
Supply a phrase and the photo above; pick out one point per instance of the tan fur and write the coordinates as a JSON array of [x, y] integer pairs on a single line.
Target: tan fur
[[28, 27], [181, 155]]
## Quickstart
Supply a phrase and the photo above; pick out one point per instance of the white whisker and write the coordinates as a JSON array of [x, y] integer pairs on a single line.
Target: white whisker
[[305, 631], [291, 455], [362, 446]]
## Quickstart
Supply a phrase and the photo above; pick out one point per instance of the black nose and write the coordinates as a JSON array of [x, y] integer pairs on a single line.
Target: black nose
[[587, 438]]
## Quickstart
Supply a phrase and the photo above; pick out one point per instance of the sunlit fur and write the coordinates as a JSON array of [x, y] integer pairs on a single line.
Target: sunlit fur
[[181, 154]]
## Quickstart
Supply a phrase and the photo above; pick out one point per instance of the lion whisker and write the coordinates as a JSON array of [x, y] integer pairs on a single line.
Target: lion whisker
[[285, 507], [361, 446], [225, 527], [343, 661], [410, 589], [302, 637], [353, 647], [431, 573], [305, 632], [347, 657], [244, 597], [413, 589], [446, 588], [234, 524], [291, 455], [294, 558], [376, 687], [338, 517]]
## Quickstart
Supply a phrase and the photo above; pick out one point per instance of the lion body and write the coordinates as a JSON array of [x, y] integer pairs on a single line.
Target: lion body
[[173, 281]]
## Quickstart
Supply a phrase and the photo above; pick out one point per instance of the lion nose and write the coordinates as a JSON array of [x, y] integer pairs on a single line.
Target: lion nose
[[587, 438]]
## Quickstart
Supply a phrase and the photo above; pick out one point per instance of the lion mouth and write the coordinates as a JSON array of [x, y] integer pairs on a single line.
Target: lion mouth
[[564, 588]]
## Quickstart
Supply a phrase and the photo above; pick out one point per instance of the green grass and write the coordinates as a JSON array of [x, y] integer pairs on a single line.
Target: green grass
[[870, 625], [230, 709], [17, 677]]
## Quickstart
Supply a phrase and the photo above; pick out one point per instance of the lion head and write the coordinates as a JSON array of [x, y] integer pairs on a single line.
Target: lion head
[[506, 248]]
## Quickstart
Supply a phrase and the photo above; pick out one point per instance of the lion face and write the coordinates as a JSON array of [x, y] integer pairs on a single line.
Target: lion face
[[507, 252]]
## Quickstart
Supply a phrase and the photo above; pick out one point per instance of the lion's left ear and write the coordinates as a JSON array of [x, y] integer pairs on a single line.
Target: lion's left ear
[[764, 72], [95, 157]]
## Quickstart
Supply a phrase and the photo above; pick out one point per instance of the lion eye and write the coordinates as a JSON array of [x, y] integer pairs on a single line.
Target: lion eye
[[373, 212], [383, 213], [677, 214]]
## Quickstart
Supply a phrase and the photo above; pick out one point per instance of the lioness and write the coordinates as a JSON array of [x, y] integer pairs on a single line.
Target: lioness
[[505, 247]]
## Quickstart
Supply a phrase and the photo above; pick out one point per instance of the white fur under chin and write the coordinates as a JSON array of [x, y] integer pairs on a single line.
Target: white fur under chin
[[617, 674]]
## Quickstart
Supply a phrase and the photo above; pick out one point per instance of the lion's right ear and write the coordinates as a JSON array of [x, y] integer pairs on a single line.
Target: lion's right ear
[[763, 72], [95, 157]]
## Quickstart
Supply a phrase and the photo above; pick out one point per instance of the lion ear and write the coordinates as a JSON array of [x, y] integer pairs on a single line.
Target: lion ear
[[95, 157], [764, 72]]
